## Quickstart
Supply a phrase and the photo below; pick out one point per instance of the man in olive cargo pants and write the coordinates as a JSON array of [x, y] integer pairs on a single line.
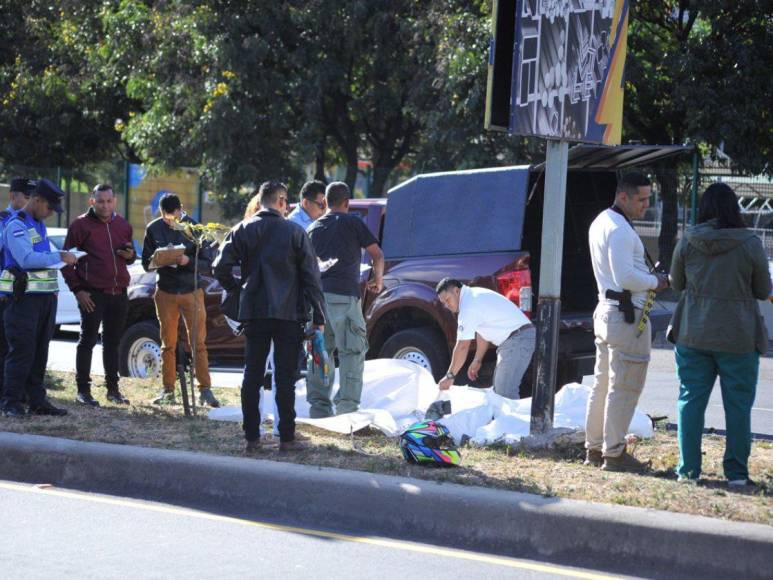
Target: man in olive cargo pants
[[341, 236]]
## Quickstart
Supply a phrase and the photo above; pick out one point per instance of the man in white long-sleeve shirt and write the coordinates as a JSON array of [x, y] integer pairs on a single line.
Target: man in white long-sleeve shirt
[[623, 276]]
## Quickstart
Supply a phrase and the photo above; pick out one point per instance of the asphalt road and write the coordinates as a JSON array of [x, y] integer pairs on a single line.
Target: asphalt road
[[658, 399], [52, 533]]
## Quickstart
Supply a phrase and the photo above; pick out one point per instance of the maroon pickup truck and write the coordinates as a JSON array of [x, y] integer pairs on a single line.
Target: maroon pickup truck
[[482, 227]]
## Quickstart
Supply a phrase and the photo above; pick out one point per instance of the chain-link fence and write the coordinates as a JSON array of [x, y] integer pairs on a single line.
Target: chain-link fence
[[76, 183], [755, 198]]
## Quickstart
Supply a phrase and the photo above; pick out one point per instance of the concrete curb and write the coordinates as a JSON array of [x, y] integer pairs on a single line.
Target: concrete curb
[[629, 540]]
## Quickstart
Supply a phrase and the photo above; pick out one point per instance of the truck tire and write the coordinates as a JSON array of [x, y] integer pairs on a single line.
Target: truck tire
[[423, 346], [140, 351]]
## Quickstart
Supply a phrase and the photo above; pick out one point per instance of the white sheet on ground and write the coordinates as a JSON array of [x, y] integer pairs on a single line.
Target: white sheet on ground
[[397, 393]]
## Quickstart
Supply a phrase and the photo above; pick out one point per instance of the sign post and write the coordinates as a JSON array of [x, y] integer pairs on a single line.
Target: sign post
[[556, 71], [549, 304]]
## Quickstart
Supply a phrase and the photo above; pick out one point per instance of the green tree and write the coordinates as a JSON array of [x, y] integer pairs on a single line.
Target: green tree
[[697, 72], [52, 111]]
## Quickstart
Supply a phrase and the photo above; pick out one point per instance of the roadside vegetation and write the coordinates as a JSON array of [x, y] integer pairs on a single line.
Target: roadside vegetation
[[544, 473]]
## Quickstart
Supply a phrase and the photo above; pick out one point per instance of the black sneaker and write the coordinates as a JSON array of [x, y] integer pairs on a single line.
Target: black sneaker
[[86, 399], [207, 397], [115, 396], [14, 411], [46, 408]]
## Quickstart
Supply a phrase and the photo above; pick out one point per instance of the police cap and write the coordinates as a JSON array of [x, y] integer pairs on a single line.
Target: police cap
[[49, 191]]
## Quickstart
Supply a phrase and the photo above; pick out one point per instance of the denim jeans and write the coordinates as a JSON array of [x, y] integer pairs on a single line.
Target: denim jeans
[[513, 358]]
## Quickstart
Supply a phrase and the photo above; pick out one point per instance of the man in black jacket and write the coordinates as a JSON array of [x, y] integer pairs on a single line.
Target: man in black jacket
[[279, 278], [175, 295]]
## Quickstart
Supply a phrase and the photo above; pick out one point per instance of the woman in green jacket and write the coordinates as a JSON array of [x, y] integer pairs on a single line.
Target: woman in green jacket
[[721, 269]]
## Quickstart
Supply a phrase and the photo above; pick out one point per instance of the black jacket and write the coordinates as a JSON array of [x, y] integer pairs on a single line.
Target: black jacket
[[177, 280], [279, 270]]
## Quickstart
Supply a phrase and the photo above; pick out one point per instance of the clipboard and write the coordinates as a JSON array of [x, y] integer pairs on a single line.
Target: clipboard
[[166, 256]]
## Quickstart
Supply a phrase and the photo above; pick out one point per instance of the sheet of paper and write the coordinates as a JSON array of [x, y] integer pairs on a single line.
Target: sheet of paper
[[76, 252]]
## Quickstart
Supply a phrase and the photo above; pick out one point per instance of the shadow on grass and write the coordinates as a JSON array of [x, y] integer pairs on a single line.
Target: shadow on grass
[[54, 383]]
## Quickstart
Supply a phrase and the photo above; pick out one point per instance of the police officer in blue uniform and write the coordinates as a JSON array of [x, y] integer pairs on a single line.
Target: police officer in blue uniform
[[30, 285], [19, 194]]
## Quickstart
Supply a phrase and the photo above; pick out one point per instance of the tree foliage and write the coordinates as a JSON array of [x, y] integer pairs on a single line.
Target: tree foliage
[[252, 90], [54, 111]]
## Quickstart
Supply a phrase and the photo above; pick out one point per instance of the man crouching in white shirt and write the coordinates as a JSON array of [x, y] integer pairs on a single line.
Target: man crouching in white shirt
[[489, 318], [624, 275]]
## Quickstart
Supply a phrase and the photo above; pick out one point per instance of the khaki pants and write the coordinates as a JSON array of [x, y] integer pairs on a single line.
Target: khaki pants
[[344, 331], [168, 308], [621, 368]]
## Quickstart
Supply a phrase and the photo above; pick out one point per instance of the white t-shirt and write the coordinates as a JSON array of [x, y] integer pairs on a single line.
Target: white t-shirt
[[489, 314], [617, 255]]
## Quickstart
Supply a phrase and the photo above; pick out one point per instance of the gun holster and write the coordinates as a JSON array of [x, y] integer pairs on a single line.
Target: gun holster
[[20, 278], [624, 304]]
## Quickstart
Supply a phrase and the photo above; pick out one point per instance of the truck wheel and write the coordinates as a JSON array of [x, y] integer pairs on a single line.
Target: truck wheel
[[423, 346], [140, 351]]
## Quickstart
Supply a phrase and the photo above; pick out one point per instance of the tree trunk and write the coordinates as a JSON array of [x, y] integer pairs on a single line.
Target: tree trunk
[[319, 162], [351, 170], [380, 176], [669, 220]]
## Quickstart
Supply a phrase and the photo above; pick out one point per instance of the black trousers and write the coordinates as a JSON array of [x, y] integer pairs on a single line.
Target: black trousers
[[109, 310], [29, 327], [3, 346], [287, 337]]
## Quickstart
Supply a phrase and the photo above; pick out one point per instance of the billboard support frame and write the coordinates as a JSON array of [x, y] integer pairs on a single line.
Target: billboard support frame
[[549, 302]]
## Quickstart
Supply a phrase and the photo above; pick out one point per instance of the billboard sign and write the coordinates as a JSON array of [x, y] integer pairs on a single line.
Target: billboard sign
[[568, 65]]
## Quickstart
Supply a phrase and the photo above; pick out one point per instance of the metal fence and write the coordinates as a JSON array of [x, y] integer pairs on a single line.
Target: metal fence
[[755, 199], [76, 183]]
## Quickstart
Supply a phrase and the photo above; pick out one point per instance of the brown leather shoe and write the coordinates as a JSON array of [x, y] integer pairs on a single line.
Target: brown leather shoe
[[625, 462], [294, 445], [594, 457]]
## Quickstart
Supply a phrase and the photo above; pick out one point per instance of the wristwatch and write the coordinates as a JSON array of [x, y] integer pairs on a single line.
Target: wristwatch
[[450, 375]]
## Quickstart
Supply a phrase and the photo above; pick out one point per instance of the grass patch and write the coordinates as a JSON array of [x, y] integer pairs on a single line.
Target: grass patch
[[543, 473]]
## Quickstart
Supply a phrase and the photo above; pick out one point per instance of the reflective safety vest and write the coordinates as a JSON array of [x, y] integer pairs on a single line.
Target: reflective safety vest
[[38, 282]]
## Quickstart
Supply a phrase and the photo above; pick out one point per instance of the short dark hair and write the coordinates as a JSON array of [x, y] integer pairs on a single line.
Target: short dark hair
[[269, 191], [311, 189], [446, 284], [631, 182], [101, 187], [20, 185], [719, 202], [170, 202], [337, 193]]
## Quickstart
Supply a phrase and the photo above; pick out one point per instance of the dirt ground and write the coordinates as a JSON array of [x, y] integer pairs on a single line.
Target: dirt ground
[[545, 473]]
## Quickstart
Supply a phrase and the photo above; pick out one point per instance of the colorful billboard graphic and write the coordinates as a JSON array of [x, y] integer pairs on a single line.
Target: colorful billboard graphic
[[568, 69]]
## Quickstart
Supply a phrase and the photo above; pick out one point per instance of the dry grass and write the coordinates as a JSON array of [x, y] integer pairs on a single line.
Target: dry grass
[[547, 474]]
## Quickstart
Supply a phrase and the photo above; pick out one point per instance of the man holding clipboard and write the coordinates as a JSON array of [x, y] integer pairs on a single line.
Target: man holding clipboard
[[175, 296]]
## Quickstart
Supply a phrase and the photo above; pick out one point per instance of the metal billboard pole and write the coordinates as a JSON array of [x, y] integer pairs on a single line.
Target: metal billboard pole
[[556, 72], [549, 303]]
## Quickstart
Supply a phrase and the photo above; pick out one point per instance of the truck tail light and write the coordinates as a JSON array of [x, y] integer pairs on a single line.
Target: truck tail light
[[516, 287]]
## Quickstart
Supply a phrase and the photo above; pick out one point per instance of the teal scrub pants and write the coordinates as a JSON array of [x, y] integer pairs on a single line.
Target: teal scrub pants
[[697, 370]]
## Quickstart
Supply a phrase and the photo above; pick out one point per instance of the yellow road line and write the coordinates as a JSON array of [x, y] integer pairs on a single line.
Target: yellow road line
[[373, 541]]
